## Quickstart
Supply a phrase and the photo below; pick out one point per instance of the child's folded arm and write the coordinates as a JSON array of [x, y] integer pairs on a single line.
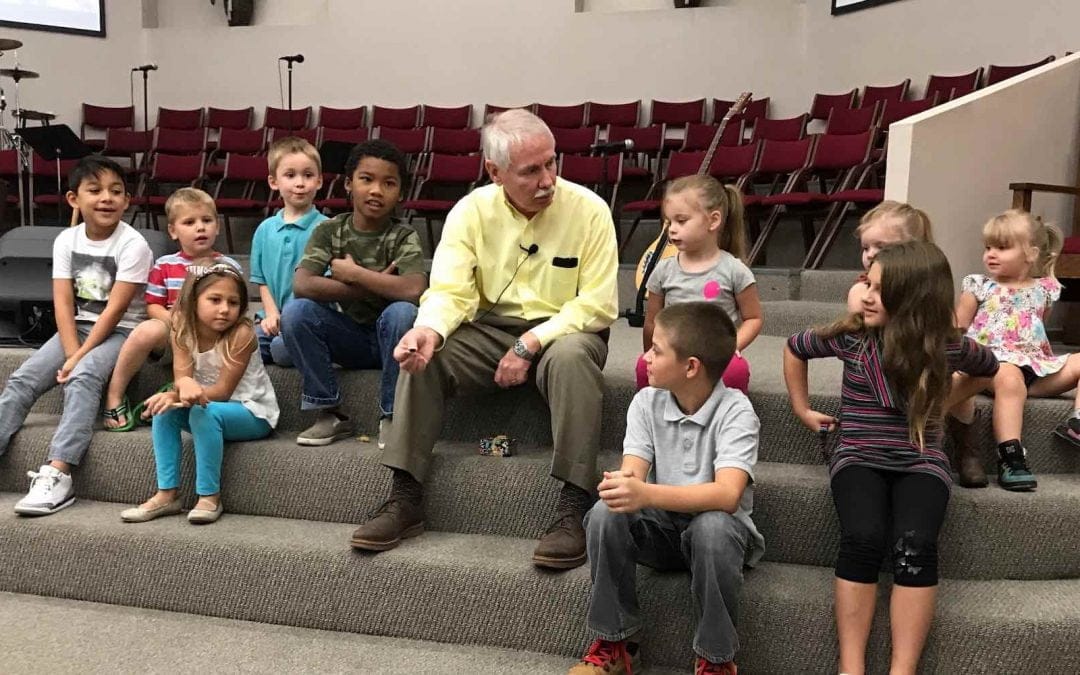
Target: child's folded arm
[[723, 494]]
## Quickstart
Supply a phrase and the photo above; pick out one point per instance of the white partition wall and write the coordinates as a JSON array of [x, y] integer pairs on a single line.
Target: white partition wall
[[956, 161]]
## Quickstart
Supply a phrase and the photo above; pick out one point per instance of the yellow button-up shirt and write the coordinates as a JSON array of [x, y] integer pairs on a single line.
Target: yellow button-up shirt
[[570, 280]]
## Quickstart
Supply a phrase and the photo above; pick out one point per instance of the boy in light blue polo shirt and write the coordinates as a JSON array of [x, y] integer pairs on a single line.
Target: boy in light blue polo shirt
[[683, 496], [280, 240]]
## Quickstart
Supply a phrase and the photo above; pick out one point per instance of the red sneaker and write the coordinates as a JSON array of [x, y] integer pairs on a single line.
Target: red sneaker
[[703, 667], [606, 658]]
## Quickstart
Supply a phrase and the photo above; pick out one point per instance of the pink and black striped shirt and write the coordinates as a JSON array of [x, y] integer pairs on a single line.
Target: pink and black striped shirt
[[873, 422]]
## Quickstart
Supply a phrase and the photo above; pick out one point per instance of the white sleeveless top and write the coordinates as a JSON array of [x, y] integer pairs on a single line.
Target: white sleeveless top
[[254, 389]]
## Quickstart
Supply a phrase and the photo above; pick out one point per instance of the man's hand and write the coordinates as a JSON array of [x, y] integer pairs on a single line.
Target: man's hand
[[512, 371], [64, 374], [344, 269], [623, 493], [416, 349], [271, 323]]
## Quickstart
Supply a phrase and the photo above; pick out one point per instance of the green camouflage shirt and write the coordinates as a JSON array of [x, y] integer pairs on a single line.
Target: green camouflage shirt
[[375, 250]]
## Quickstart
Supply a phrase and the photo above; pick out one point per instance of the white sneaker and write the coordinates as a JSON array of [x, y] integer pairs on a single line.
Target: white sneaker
[[50, 491], [385, 424]]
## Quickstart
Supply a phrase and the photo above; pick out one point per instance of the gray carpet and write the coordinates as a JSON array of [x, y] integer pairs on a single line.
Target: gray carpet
[[480, 589]]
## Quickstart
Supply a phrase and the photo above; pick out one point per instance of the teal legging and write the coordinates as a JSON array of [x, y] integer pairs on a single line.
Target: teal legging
[[210, 427]]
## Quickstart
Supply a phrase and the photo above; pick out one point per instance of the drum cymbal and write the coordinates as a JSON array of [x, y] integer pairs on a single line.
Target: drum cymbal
[[7, 44], [19, 74]]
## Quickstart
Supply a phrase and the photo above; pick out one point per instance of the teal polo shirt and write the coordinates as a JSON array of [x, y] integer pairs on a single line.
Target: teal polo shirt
[[276, 250]]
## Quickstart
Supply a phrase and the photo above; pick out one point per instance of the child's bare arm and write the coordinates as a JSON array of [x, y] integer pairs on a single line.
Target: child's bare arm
[[242, 344], [119, 298], [653, 306], [267, 298], [407, 287], [723, 494], [749, 304], [64, 311], [156, 311], [966, 307], [635, 466], [796, 380]]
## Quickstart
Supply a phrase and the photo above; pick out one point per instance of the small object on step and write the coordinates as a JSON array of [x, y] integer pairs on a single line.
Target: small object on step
[[497, 446], [364, 438]]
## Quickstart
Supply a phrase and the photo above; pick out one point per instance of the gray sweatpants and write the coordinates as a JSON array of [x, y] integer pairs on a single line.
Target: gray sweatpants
[[82, 393], [712, 545]]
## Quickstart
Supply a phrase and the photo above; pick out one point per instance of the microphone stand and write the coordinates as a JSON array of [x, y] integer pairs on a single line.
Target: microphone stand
[[146, 129], [290, 62]]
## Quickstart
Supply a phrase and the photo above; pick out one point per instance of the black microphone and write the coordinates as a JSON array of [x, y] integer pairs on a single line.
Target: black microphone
[[143, 69], [299, 58], [529, 251], [625, 145]]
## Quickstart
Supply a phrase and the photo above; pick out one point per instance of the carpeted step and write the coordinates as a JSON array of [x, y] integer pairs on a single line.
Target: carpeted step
[[89, 637], [474, 589], [989, 534], [826, 285], [522, 414], [784, 318]]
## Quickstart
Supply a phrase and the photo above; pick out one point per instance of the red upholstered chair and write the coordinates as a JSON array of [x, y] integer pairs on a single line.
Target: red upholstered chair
[[283, 118], [756, 109], [446, 179], [677, 113], [734, 163], [948, 87], [168, 172], [454, 141], [873, 95], [562, 116], [995, 74], [395, 118], [227, 118], [235, 141], [787, 129], [578, 141], [128, 143], [178, 141], [413, 142], [836, 163], [895, 111], [698, 137], [589, 171], [342, 118], [852, 120], [446, 118], [9, 176], [168, 118], [242, 190], [777, 161], [615, 114], [823, 104], [309, 135], [352, 136], [45, 191], [648, 144], [102, 118], [491, 108]]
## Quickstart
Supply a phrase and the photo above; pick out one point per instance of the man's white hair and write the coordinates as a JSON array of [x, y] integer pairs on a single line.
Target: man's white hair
[[506, 129]]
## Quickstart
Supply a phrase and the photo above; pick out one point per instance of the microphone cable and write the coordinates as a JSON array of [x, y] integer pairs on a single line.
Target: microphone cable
[[528, 254]]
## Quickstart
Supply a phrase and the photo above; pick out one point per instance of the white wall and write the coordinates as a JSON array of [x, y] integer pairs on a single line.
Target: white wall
[[957, 160], [76, 68]]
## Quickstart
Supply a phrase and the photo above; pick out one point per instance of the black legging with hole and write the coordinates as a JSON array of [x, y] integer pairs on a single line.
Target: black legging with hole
[[893, 513]]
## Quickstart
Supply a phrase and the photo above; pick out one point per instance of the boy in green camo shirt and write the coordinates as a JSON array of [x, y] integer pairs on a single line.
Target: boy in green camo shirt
[[376, 276]]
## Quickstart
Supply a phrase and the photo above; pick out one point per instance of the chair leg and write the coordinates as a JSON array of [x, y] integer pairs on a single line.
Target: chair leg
[[228, 235], [834, 221], [758, 251], [630, 234], [430, 235]]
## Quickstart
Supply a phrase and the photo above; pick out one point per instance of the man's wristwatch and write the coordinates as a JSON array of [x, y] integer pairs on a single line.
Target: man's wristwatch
[[521, 350]]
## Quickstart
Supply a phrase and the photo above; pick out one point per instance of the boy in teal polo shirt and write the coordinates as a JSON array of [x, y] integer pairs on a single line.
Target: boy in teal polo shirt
[[279, 242]]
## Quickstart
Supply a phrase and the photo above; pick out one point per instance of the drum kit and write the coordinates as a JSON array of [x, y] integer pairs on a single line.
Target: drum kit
[[10, 139]]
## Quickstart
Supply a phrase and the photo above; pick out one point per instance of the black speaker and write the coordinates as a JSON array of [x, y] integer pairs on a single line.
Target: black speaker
[[26, 281]]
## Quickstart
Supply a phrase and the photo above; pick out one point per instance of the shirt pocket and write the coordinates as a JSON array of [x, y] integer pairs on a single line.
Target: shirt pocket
[[558, 283]]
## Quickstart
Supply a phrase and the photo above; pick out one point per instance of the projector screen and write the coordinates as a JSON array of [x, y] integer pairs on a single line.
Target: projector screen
[[82, 17], [845, 6]]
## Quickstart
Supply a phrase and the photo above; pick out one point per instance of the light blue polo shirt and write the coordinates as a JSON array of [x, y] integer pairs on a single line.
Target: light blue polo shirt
[[689, 449], [276, 250]]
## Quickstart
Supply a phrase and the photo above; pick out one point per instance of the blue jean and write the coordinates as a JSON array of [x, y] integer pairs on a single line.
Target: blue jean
[[317, 337], [712, 545], [210, 427], [82, 393], [272, 348]]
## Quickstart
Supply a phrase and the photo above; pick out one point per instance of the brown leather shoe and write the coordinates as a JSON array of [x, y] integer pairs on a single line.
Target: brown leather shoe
[[563, 545], [395, 520], [965, 456]]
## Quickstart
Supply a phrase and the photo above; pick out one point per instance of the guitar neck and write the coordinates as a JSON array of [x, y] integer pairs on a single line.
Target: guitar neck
[[735, 109]]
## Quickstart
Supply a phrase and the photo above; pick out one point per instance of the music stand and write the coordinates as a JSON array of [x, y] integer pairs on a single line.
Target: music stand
[[54, 143]]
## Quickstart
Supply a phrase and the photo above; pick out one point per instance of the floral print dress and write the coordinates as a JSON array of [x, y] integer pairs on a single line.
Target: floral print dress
[[1010, 321]]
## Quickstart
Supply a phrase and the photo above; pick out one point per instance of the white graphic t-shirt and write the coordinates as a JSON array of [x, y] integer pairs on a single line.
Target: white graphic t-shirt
[[95, 266]]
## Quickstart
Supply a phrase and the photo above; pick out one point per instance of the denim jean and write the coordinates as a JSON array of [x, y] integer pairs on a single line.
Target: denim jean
[[317, 337], [82, 393], [210, 427], [272, 348], [711, 545]]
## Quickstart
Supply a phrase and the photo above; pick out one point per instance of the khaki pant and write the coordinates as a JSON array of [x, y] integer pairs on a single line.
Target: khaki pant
[[567, 374]]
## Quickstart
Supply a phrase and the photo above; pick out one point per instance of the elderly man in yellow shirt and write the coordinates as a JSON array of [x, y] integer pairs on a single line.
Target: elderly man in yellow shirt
[[523, 284]]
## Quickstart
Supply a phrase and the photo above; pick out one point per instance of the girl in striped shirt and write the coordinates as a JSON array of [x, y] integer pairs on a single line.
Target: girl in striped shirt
[[890, 479]]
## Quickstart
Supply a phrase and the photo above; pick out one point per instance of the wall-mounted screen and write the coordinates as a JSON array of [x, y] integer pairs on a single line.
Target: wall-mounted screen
[[82, 17], [845, 6]]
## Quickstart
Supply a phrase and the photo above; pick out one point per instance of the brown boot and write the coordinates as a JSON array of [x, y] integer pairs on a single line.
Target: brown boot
[[965, 457], [395, 520], [563, 545]]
